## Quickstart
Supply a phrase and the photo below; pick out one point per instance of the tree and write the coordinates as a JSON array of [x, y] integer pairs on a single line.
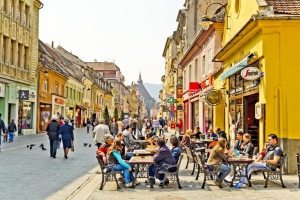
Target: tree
[[106, 116], [122, 115], [116, 114]]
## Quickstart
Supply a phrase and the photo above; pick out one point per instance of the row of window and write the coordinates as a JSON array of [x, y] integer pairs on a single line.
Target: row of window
[[205, 67], [15, 53], [17, 9]]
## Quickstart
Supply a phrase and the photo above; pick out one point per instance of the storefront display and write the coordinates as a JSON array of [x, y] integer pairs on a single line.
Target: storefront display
[[25, 114]]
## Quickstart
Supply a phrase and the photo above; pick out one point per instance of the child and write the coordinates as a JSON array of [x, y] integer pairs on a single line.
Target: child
[[5, 134]]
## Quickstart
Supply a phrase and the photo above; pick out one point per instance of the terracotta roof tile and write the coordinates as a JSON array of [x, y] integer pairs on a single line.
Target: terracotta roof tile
[[291, 7]]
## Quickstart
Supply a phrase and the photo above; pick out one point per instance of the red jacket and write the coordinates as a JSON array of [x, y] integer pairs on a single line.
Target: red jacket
[[180, 124]]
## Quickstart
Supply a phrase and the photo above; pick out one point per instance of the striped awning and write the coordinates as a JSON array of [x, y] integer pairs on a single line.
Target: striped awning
[[235, 68]]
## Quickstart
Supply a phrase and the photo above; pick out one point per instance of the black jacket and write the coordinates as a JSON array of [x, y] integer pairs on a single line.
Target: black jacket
[[52, 129], [2, 126], [12, 127]]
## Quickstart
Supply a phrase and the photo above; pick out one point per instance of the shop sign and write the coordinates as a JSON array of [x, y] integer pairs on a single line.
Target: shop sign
[[194, 87], [59, 101], [250, 73], [179, 107], [24, 95], [213, 97], [42, 95], [179, 93]]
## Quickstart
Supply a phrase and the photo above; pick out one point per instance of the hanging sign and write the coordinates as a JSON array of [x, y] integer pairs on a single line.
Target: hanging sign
[[23, 95], [213, 97], [250, 73]]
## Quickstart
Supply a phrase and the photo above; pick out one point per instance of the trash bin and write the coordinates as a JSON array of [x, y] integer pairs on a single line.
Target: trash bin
[[298, 164]]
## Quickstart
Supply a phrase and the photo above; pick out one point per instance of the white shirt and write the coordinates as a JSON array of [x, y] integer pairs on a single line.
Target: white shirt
[[100, 130]]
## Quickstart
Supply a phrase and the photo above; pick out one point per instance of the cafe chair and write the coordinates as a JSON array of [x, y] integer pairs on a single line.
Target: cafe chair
[[107, 175], [206, 170], [274, 172], [190, 159], [172, 175]]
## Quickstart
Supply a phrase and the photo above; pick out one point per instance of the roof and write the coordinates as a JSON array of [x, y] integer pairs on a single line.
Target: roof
[[291, 7], [97, 66], [143, 91]]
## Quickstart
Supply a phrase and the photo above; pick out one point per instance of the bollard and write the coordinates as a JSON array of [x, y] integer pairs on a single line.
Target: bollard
[[298, 164]]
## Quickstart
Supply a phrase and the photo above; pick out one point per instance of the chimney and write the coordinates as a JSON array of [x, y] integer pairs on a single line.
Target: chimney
[[52, 44]]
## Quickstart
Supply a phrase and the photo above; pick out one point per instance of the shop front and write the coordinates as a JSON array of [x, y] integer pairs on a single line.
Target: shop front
[[58, 105], [80, 112]]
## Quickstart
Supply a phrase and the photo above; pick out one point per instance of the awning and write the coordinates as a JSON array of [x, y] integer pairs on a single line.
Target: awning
[[80, 107], [235, 68]]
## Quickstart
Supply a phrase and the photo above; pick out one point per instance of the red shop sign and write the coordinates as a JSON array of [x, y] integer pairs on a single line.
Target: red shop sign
[[59, 101]]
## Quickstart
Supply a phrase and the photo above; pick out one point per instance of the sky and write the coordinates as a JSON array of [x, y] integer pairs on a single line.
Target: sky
[[132, 33]]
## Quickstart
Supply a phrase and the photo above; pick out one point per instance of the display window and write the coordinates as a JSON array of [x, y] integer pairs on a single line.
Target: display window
[[25, 115]]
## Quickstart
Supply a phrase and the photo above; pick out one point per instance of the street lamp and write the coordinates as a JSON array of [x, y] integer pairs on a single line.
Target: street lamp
[[206, 20]]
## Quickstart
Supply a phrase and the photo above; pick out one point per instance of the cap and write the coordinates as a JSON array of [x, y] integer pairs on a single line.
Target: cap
[[54, 117]]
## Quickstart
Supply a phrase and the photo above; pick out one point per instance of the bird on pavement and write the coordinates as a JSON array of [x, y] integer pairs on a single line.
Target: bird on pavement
[[85, 144], [27, 146], [44, 148], [42, 145], [90, 145], [30, 147]]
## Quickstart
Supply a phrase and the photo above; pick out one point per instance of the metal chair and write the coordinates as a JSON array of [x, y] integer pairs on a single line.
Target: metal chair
[[107, 176], [172, 175], [206, 171], [190, 158]]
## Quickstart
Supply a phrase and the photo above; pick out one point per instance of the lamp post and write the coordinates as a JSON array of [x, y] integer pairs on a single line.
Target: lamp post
[[206, 20]]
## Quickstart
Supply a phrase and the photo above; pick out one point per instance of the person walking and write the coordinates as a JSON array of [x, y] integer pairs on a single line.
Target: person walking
[[134, 126], [179, 126], [99, 131], [88, 125], [162, 124], [120, 125], [113, 127], [67, 134], [52, 130], [2, 127], [125, 122], [140, 126], [11, 130]]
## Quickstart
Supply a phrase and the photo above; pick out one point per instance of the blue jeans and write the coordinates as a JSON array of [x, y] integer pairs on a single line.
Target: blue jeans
[[140, 131], [152, 171], [226, 170], [113, 134], [155, 128], [11, 136], [53, 146], [128, 176], [128, 156]]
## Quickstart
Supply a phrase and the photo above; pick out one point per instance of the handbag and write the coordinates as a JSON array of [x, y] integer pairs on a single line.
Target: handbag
[[72, 148]]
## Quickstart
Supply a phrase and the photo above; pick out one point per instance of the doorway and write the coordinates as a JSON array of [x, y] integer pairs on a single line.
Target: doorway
[[251, 125]]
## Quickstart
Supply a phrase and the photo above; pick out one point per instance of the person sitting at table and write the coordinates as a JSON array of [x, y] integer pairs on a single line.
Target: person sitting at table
[[115, 159], [174, 147], [163, 156], [221, 133], [211, 134], [151, 133], [215, 159], [239, 140], [128, 139], [247, 147], [186, 139], [271, 157], [102, 150], [198, 133]]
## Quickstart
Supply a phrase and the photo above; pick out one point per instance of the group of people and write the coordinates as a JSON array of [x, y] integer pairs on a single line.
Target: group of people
[[115, 151], [60, 129], [8, 132], [222, 151]]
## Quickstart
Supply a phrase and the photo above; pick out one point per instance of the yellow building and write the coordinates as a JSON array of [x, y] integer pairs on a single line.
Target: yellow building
[[260, 67]]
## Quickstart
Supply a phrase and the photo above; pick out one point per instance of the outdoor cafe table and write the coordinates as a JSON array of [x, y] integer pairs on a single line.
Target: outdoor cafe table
[[142, 163], [143, 153], [240, 166], [141, 142]]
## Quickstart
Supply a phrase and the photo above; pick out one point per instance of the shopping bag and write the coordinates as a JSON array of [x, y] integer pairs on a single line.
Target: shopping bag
[[72, 148]]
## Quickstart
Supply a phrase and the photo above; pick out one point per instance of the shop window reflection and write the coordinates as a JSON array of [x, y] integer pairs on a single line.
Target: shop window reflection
[[25, 115]]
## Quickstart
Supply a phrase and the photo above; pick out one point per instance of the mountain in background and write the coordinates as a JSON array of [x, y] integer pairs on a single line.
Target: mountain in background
[[153, 89]]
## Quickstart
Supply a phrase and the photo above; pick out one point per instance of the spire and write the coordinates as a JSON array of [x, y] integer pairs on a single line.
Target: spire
[[140, 78]]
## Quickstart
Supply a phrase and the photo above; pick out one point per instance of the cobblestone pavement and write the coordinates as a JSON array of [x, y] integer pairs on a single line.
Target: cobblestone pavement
[[32, 174]]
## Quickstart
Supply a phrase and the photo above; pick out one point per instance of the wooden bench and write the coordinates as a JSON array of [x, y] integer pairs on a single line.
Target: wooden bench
[[173, 175], [107, 176]]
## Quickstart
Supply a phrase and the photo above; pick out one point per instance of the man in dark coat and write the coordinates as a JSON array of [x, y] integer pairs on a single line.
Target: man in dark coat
[[11, 130], [163, 156], [2, 127], [52, 131]]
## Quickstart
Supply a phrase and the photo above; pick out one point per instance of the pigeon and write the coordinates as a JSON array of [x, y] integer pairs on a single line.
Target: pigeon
[[30, 147], [42, 145], [84, 144], [44, 148], [27, 146], [90, 145]]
